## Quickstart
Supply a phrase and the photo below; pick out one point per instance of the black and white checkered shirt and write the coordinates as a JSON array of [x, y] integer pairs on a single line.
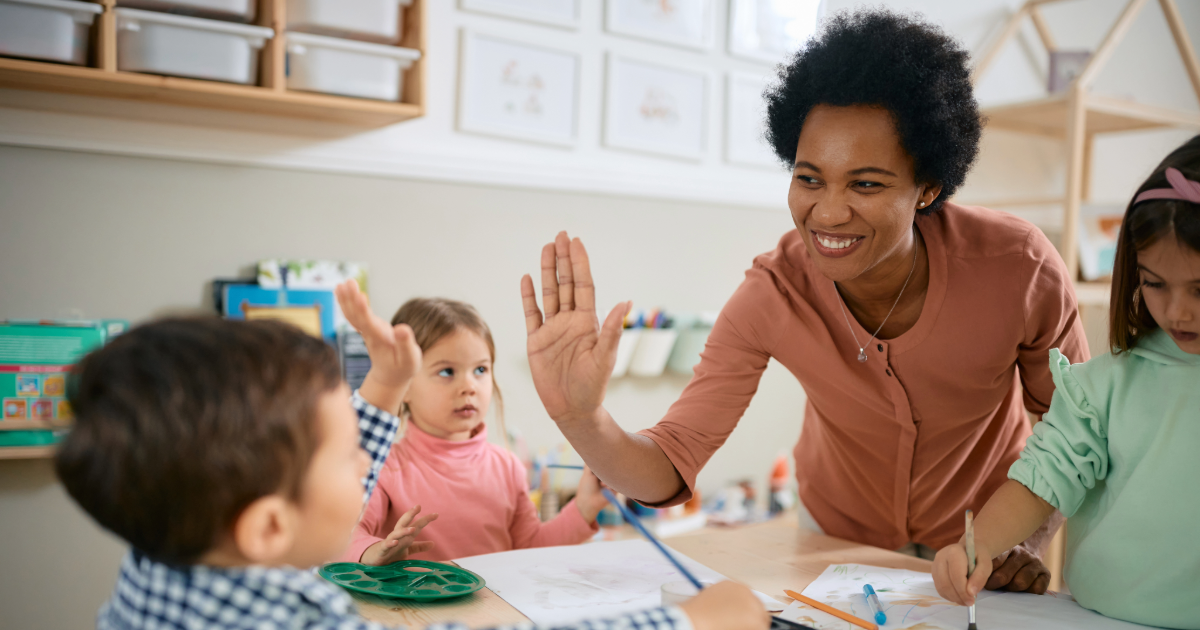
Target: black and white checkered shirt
[[155, 596]]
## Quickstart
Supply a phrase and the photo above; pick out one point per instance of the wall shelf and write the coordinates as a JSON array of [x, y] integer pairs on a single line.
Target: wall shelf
[[1076, 115], [269, 97], [26, 452]]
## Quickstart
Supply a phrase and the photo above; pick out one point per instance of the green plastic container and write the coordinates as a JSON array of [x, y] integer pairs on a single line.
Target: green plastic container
[[420, 580]]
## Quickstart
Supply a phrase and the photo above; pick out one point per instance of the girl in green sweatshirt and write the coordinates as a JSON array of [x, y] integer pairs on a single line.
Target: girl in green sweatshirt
[[1117, 453]]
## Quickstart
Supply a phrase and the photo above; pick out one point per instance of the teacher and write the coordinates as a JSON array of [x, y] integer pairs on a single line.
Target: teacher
[[919, 329]]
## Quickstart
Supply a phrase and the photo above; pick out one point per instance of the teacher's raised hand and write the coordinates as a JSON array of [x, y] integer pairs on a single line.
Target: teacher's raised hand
[[570, 354]]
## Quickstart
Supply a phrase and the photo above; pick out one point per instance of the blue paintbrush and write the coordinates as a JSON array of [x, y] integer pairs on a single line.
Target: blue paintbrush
[[633, 520]]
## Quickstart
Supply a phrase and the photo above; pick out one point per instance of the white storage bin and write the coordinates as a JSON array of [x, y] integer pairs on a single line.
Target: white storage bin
[[54, 30], [161, 43], [653, 350], [240, 10], [340, 66], [365, 19], [625, 350]]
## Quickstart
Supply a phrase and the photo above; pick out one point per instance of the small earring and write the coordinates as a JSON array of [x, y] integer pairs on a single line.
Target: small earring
[[922, 204]]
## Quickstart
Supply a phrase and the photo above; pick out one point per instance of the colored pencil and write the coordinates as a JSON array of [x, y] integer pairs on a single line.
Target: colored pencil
[[565, 466], [862, 623], [970, 565]]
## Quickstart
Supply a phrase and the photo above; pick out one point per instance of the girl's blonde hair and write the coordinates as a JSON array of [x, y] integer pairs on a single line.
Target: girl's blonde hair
[[431, 319]]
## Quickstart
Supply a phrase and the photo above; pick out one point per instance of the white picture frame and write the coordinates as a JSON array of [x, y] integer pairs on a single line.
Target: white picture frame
[[519, 91], [560, 13], [770, 31], [654, 108], [687, 23], [745, 122]]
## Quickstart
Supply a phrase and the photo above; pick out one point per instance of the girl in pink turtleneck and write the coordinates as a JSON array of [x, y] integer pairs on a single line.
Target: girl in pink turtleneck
[[445, 465]]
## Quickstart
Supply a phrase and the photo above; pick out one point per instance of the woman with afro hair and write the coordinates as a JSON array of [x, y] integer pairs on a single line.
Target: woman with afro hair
[[919, 329]]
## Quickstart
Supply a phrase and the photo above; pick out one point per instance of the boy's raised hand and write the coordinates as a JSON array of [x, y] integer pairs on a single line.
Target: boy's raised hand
[[399, 544], [950, 573], [395, 355]]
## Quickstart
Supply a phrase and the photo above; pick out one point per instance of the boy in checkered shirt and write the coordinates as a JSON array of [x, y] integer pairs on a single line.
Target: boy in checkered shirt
[[226, 454]]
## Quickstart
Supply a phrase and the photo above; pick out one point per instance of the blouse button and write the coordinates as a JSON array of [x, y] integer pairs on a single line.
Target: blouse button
[[889, 372], [880, 346]]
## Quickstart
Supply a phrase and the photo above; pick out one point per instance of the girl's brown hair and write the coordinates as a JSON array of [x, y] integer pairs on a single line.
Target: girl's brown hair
[[431, 319], [1144, 225]]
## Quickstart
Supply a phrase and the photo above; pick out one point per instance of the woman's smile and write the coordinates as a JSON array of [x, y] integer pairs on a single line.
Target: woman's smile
[[831, 245]]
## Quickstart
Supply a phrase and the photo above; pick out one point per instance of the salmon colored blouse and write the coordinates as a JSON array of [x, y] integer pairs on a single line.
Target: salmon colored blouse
[[893, 450]]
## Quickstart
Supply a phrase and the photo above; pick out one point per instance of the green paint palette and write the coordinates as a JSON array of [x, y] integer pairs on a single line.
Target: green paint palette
[[421, 580]]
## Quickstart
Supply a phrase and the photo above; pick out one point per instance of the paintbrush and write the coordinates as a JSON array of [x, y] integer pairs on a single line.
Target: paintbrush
[[970, 566]]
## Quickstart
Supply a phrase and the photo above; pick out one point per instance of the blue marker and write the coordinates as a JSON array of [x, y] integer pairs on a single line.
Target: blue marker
[[873, 602]]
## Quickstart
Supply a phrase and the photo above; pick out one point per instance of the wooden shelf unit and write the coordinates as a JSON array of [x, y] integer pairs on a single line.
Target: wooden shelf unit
[[26, 452], [1076, 116], [270, 97], [34, 425]]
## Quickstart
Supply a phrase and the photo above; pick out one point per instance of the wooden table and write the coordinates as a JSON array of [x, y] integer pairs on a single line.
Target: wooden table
[[767, 557]]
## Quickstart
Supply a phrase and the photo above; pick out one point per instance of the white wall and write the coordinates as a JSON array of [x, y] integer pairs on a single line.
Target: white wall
[[109, 228]]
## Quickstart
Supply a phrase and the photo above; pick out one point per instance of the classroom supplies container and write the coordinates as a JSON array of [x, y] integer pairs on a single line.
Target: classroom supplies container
[[693, 335], [421, 580], [653, 350], [625, 349], [239, 10], [317, 63], [376, 20], [52, 30], [163, 43]]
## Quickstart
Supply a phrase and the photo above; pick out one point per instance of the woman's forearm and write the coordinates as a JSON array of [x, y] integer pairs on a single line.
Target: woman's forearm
[[629, 463], [1010, 517]]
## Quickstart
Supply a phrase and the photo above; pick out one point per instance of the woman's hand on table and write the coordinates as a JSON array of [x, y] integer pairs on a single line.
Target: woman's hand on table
[[726, 606], [571, 355], [1019, 570]]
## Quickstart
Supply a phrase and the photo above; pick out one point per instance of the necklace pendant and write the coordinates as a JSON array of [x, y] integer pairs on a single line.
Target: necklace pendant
[[862, 355]]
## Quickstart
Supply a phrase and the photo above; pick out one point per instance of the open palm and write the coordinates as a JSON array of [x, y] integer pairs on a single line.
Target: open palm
[[570, 355]]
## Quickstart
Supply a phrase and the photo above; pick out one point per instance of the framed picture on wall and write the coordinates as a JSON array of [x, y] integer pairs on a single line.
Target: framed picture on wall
[[745, 113], [655, 108], [771, 30], [564, 13], [686, 23], [516, 90]]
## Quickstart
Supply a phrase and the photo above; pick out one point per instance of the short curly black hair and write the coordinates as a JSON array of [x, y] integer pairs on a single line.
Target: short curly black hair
[[907, 66]]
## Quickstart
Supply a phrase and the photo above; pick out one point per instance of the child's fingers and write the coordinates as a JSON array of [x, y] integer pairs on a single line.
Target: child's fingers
[[953, 565], [420, 523], [585, 291], [977, 581], [407, 518]]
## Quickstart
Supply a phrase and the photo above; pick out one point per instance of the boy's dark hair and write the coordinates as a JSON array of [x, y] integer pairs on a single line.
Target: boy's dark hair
[[910, 68], [1144, 224], [182, 423]]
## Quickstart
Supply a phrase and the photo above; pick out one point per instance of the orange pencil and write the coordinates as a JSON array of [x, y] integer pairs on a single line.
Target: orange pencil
[[831, 610]]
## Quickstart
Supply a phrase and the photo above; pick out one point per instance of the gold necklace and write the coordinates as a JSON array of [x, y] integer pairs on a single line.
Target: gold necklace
[[862, 350]]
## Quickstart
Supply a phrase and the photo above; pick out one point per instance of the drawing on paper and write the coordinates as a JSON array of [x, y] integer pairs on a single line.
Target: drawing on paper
[[908, 597], [558, 585], [682, 22], [517, 91], [655, 108], [770, 30]]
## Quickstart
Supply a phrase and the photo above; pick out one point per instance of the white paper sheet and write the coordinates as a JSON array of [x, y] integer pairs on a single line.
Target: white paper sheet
[[1023, 611], [907, 597], [558, 585]]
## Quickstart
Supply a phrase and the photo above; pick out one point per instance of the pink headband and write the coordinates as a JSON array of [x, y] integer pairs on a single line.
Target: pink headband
[[1181, 188]]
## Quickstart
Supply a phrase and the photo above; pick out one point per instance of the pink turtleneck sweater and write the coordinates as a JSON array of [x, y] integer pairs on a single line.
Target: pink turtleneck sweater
[[479, 490]]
